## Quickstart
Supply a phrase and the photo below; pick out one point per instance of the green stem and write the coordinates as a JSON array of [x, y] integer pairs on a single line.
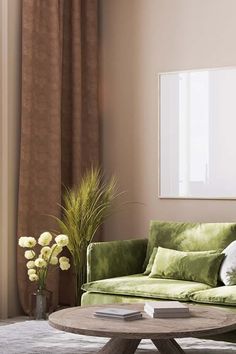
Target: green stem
[[47, 265]]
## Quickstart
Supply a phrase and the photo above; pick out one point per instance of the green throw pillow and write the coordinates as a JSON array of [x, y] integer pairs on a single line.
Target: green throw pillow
[[202, 267], [153, 255]]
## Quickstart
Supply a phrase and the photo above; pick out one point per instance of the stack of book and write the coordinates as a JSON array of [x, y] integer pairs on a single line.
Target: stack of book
[[166, 309], [118, 313]]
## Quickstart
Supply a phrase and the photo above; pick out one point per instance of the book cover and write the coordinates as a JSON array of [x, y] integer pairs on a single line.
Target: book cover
[[125, 318], [166, 306], [117, 312], [168, 314]]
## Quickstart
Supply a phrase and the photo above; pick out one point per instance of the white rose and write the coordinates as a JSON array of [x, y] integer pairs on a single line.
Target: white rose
[[40, 262], [56, 249], [29, 254], [21, 241], [64, 265], [33, 277], [30, 264], [53, 260], [45, 238], [62, 240], [29, 242], [31, 271], [63, 259]]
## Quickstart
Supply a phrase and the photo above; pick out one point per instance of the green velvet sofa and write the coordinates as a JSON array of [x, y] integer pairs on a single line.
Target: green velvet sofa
[[115, 269]]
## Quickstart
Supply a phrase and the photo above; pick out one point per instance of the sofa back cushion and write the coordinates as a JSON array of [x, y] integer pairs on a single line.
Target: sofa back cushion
[[189, 236], [141, 286]]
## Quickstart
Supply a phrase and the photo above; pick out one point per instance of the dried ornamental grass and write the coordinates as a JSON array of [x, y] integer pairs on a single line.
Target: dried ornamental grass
[[84, 210]]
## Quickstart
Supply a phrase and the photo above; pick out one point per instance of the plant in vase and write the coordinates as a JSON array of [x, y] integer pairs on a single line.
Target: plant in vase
[[84, 210], [40, 259]]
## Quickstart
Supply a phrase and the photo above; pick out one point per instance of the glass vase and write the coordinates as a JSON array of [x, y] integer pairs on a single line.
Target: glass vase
[[40, 304]]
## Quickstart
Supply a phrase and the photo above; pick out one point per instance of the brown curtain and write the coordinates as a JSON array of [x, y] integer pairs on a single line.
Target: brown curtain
[[59, 119]]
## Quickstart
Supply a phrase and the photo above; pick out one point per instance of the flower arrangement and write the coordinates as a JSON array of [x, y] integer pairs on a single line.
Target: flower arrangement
[[38, 265]]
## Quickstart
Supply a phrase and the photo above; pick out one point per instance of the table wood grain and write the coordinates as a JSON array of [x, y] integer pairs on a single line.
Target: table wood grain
[[126, 335]]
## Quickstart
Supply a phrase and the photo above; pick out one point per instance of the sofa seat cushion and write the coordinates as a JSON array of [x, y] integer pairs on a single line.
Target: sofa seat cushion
[[140, 285], [223, 295], [89, 299]]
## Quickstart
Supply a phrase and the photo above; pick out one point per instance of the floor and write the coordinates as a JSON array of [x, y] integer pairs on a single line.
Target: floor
[[13, 320]]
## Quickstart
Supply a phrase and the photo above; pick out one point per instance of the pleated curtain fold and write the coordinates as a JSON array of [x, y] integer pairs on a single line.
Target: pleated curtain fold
[[59, 120]]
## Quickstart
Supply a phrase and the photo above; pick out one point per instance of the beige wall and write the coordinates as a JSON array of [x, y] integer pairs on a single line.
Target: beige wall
[[9, 151], [138, 39]]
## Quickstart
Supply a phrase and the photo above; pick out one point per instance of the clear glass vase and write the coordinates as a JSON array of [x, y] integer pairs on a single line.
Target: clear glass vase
[[40, 304], [80, 277]]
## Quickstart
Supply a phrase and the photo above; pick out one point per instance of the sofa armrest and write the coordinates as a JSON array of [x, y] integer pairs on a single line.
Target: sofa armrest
[[115, 258]]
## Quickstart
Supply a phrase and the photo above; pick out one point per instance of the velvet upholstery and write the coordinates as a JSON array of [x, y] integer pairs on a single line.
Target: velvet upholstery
[[115, 258], [90, 298], [221, 295], [122, 260], [151, 261], [153, 255], [139, 285], [189, 236], [201, 266]]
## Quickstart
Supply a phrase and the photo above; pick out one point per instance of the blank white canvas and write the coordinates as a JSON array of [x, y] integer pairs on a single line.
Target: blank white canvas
[[197, 134]]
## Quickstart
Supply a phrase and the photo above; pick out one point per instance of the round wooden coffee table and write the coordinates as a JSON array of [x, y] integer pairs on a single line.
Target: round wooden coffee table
[[126, 335]]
